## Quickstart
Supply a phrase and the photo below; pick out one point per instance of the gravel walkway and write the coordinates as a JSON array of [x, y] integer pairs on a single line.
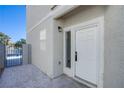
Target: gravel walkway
[[29, 76]]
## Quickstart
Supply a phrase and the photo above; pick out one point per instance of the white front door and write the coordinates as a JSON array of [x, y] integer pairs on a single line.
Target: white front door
[[87, 54]]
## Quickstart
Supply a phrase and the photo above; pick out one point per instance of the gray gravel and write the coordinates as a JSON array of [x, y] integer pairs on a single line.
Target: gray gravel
[[29, 76]]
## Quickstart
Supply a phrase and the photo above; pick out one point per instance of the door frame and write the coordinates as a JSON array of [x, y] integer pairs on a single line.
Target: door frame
[[99, 22]]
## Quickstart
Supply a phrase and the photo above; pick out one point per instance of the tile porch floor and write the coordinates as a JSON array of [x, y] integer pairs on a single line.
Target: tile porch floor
[[29, 76]]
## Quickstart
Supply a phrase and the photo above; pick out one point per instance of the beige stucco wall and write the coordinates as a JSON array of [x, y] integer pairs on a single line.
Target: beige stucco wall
[[42, 51], [35, 13], [114, 46], [82, 14], [26, 54], [50, 60]]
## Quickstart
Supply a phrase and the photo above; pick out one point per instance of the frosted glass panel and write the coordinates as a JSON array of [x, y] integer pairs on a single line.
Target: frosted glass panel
[[43, 35], [68, 49], [43, 40]]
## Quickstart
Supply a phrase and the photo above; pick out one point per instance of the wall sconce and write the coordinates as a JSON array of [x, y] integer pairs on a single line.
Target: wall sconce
[[60, 29]]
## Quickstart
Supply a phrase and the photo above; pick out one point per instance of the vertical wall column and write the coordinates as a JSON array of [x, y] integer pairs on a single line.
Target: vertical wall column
[[26, 54], [2, 57]]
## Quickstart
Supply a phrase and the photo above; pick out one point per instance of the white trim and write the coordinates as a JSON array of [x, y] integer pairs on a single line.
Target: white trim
[[85, 24], [61, 10], [100, 22]]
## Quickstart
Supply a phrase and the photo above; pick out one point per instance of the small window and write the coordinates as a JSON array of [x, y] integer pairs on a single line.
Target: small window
[[68, 49]]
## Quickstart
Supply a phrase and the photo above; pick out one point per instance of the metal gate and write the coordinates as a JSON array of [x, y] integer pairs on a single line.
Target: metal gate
[[13, 56], [2, 58]]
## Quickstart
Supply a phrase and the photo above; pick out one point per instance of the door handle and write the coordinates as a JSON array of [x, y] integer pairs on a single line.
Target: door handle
[[75, 55]]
